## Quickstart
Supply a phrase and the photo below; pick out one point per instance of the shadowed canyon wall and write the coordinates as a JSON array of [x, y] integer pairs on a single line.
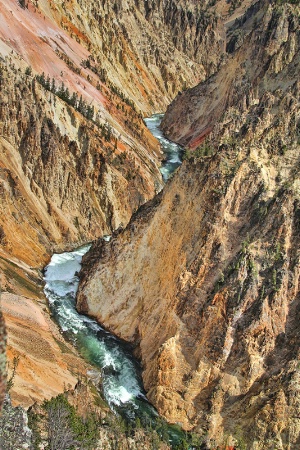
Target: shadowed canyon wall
[[204, 280]]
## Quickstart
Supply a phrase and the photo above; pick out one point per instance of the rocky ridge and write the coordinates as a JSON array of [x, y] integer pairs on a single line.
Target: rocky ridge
[[261, 57], [66, 176], [205, 278], [139, 47]]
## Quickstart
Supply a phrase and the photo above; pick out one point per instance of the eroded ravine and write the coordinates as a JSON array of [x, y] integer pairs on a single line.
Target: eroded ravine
[[121, 381], [205, 278], [121, 373]]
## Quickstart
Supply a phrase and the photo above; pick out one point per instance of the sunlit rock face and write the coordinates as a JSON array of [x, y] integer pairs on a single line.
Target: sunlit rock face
[[261, 58], [205, 278], [65, 178], [2, 360], [148, 50], [76, 159], [76, 80]]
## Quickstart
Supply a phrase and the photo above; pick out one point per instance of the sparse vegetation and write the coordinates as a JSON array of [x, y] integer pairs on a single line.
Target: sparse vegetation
[[292, 2], [63, 92], [28, 70], [66, 429], [203, 150], [57, 425], [10, 381]]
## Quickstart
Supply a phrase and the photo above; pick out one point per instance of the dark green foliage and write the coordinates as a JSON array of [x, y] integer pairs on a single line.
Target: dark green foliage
[[41, 79], [67, 430], [71, 99], [53, 87], [74, 99], [58, 425], [10, 381], [106, 132], [33, 424], [47, 83], [121, 95], [199, 152], [292, 2], [99, 71], [28, 70]]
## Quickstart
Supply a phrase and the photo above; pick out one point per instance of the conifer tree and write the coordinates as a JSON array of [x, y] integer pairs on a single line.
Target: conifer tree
[[53, 87]]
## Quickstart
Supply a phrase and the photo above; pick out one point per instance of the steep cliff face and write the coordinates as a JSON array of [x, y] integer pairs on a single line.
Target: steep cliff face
[[261, 56], [45, 363], [205, 278], [65, 178], [76, 159], [78, 180], [139, 47]]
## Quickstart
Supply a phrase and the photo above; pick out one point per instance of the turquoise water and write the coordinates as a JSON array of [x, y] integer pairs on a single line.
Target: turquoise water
[[121, 373], [121, 381], [172, 151]]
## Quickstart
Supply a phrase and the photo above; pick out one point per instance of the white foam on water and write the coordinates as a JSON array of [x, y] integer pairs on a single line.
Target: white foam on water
[[175, 160], [108, 360], [121, 384], [171, 150], [118, 395]]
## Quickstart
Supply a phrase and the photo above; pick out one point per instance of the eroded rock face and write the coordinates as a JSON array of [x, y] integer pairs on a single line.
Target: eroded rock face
[[62, 179], [205, 278], [148, 50], [2, 360], [62, 182], [66, 178], [262, 55]]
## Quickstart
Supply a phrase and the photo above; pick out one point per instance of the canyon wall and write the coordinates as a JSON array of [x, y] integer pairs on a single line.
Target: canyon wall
[[76, 159], [64, 178], [148, 50], [204, 280], [69, 175]]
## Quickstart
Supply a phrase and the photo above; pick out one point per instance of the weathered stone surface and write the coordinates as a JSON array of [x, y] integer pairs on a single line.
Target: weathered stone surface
[[63, 180], [266, 60], [205, 278], [3, 337], [148, 50]]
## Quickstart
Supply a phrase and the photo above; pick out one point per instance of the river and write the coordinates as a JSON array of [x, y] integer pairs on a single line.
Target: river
[[172, 151], [121, 373], [122, 385]]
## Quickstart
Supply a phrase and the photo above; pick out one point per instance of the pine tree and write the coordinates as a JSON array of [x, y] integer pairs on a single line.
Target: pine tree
[[53, 87], [90, 112], [74, 100], [61, 91], [42, 79], [47, 83], [80, 105], [28, 70], [67, 96]]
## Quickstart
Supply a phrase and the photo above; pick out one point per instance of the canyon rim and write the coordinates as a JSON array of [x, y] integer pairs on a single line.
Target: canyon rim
[[201, 274]]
